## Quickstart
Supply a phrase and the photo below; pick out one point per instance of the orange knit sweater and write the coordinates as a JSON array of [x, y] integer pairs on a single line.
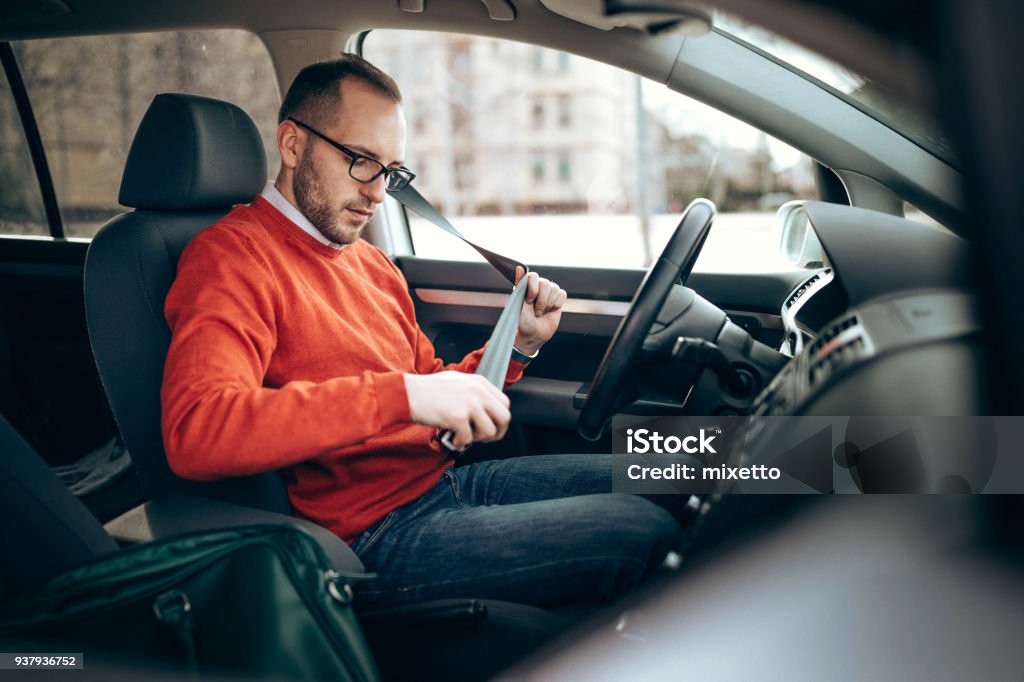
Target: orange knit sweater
[[289, 354]]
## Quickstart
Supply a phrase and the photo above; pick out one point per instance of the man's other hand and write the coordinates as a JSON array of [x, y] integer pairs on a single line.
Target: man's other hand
[[466, 404], [542, 311]]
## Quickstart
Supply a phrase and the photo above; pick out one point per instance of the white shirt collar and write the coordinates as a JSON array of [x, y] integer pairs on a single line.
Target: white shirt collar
[[277, 200]]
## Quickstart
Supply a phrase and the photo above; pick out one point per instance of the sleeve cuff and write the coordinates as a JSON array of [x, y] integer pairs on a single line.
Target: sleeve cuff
[[515, 372], [392, 400]]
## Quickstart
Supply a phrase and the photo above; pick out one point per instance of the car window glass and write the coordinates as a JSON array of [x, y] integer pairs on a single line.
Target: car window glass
[[542, 155], [89, 95], [21, 203]]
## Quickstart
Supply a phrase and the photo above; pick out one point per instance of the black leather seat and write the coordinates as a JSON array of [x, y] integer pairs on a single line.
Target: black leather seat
[[191, 160], [44, 530]]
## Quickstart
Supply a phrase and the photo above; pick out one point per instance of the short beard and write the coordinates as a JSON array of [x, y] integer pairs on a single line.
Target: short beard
[[315, 206]]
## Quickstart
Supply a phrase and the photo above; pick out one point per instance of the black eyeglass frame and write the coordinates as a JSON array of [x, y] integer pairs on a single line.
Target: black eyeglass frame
[[400, 173]]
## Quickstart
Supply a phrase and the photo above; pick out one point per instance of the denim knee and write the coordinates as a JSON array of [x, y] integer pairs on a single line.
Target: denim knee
[[641, 533], [657, 532]]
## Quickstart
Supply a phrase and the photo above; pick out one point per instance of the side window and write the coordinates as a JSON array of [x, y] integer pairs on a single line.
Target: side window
[[21, 204], [560, 160], [89, 95]]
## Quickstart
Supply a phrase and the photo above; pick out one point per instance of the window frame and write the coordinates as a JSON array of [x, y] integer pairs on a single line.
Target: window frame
[[35, 141]]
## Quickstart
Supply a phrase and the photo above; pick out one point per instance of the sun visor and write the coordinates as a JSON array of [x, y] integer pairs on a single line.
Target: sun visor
[[652, 17]]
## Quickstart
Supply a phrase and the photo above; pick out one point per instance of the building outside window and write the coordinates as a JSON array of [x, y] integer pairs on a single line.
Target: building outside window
[[564, 111], [538, 170]]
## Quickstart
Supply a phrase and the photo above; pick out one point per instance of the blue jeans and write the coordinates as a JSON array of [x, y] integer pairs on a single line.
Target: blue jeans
[[543, 530]]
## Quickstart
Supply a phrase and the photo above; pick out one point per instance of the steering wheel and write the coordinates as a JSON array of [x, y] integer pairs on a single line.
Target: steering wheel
[[673, 266]]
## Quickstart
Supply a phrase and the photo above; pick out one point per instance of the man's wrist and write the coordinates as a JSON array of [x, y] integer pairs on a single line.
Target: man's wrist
[[522, 357]]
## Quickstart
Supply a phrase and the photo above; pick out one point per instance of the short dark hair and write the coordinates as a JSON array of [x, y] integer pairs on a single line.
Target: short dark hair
[[314, 97]]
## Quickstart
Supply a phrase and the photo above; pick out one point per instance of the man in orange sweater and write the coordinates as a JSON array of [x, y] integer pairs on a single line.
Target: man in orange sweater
[[295, 348]]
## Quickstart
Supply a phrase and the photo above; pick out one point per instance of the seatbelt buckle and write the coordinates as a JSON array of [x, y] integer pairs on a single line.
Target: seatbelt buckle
[[446, 438]]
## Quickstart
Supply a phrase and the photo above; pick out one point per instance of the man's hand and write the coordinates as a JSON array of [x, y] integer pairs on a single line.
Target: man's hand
[[466, 404], [541, 314]]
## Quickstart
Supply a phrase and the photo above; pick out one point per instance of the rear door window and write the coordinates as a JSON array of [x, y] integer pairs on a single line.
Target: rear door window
[[90, 93]]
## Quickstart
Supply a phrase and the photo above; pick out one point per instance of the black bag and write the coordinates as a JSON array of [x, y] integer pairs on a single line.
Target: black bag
[[255, 601]]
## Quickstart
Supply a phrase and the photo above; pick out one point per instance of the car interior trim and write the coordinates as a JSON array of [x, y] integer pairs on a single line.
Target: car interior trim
[[487, 300], [582, 306], [815, 283]]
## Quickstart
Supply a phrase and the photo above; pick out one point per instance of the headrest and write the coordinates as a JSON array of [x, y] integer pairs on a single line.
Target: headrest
[[193, 153]]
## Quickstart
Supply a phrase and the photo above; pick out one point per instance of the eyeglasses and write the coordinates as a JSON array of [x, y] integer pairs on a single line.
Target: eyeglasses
[[363, 168]]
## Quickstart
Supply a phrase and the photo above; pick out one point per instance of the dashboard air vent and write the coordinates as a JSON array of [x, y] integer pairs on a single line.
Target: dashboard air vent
[[805, 287], [838, 347]]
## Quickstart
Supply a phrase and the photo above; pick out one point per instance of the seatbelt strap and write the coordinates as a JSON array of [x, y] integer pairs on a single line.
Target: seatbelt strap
[[494, 363], [412, 199]]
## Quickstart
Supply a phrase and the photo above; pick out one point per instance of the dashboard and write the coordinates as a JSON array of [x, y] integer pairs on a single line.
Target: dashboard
[[884, 323]]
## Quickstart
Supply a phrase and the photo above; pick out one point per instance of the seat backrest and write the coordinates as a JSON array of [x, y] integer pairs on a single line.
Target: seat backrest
[[44, 529], [192, 159]]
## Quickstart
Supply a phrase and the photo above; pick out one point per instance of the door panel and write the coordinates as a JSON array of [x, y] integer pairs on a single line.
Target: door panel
[[458, 303], [61, 406]]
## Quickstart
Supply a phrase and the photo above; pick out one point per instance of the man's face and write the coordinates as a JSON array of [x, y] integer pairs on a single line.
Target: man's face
[[338, 205]]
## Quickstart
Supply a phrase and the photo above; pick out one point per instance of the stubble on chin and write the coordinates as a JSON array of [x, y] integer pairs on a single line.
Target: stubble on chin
[[311, 202], [343, 234]]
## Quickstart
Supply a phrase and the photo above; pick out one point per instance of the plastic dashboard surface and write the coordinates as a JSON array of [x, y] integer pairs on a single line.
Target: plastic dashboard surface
[[888, 286], [867, 255], [859, 338], [875, 254]]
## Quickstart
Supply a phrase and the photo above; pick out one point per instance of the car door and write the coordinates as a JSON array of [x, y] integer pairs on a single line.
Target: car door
[[542, 156]]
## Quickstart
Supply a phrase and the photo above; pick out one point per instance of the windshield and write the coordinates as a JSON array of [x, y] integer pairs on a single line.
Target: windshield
[[874, 98]]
